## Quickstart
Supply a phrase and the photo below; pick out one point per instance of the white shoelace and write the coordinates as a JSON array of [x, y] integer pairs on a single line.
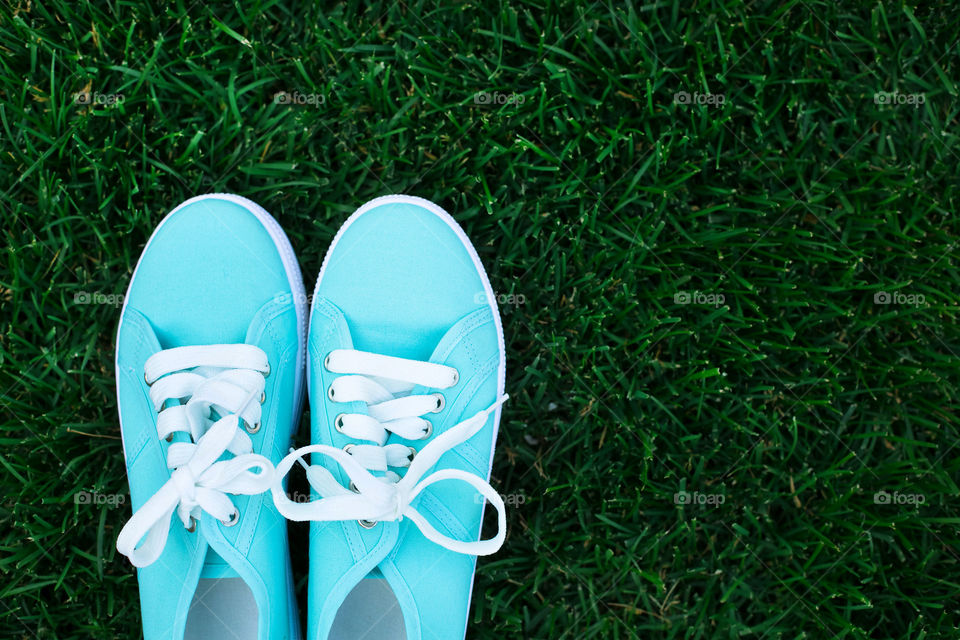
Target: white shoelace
[[227, 379], [384, 383]]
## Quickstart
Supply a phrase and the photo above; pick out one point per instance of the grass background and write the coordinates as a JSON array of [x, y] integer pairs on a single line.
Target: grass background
[[782, 200]]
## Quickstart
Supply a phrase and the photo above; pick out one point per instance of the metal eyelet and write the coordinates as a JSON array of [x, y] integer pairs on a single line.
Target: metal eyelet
[[253, 429], [263, 397], [428, 432], [441, 403], [366, 524], [456, 376], [338, 423], [413, 454], [147, 382], [169, 437], [330, 392], [326, 362], [193, 525], [234, 519], [347, 448], [267, 372]]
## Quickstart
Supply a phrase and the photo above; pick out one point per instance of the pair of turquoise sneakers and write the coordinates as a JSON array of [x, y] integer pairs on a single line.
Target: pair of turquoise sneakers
[[403, 360]]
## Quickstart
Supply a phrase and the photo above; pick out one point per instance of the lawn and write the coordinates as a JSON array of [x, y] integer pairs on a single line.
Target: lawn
[[724, 238]]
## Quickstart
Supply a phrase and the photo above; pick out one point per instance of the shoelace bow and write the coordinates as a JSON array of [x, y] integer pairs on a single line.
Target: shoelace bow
[[218, 380], [384, 384]]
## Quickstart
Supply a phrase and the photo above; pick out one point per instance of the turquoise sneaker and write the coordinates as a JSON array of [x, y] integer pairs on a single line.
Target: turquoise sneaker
[[209, 362], [406, 378]]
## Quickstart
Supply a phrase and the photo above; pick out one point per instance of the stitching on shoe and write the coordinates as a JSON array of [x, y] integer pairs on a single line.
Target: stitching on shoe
[[471, 322], [446, 517]]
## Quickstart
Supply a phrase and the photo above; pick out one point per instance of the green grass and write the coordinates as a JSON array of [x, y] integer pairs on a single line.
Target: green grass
[[783, 395]]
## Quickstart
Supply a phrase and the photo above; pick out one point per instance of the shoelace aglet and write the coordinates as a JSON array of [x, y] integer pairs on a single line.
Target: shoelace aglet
[[499, 401]]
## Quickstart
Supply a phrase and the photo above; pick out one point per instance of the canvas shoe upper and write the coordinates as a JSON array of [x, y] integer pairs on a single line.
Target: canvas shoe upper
[[209, 367], [406, 378]]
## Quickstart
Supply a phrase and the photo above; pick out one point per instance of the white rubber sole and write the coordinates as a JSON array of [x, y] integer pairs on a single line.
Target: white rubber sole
[[291, 268], [491, 301]]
